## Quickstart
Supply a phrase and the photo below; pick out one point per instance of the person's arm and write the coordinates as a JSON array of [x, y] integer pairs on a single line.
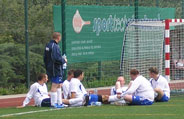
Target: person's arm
[[73, 89], [129, 85], [56, 55], [133, 87], [65, 87], [29, 96]]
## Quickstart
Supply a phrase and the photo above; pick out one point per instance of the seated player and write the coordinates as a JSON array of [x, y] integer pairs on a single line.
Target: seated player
[[140, 91], [118, 89], [119, 86], [66, 84], [77, 93], [38, 91], [160, 85]]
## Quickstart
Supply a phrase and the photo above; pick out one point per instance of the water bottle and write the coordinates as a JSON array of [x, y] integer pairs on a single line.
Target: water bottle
[[64, 65], [92, 103], [95, 91], [96, 103]]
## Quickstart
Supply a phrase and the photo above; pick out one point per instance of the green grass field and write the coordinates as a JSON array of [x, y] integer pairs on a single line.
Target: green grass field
[[174, 109]]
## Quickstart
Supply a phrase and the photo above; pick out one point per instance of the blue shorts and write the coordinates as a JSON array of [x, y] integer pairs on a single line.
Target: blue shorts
[[46, 102], [93, 98], [163, 99], [57, 80], [137, 100]]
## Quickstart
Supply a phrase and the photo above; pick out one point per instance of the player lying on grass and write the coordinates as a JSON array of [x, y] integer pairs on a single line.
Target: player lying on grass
[[140, 91], [38, 91], [160, 85]]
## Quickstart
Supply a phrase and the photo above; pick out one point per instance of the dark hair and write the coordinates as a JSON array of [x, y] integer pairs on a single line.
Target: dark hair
[[77, 73], [71, 72], [56, 35], [41, 76], [134, 72], [153, 70]]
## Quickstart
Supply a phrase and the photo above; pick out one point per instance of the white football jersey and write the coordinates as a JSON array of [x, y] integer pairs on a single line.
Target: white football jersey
[[141, 87], [38, 93], [161, 83], [65, 87], [113, 90], [77, 87]]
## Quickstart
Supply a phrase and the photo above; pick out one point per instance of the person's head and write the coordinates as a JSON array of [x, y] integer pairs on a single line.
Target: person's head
[[134, 73], [56, 36], [121, 80], [153, 72], [79, 74], [42, 78], [70, 74]]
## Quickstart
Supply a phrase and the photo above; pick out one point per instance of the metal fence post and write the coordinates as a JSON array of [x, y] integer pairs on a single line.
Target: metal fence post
[[136, 5], [182, 9], [27, 43], [157, 3], [63, 31]]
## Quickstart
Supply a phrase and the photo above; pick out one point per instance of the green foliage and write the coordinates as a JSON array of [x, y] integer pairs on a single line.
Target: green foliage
[[5, 91], [12, 41], [19, 89], [12, 66]]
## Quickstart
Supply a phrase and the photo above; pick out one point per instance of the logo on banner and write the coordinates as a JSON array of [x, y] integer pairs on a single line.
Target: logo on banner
[[78, 22]]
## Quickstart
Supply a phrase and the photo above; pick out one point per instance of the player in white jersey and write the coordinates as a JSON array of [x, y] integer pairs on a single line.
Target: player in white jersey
[[66, 84], [77, 91], [118, 89], [160, 85], [140, 91], [119, 86], [38, 91]]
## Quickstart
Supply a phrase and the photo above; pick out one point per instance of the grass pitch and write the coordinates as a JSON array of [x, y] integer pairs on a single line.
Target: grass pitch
[[174, 109]]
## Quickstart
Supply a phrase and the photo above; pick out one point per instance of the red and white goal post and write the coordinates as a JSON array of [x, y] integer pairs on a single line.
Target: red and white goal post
[[157, 43]]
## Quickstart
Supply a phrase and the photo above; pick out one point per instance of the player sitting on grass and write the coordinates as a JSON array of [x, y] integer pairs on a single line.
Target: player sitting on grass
[[140, 91], [118, 89], [38, 91], [160, 85], [119, 86], [77, 92], [66, 84]]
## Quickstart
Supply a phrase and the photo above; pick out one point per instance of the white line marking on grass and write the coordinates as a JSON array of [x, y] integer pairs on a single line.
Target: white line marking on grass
[[22, 113], [30, 112]]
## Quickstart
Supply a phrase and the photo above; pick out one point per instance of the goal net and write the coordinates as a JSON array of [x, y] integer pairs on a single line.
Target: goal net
[[154, 43]]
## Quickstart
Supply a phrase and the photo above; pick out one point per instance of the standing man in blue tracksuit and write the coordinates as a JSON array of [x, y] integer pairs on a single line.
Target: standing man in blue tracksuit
[[54, 66]]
